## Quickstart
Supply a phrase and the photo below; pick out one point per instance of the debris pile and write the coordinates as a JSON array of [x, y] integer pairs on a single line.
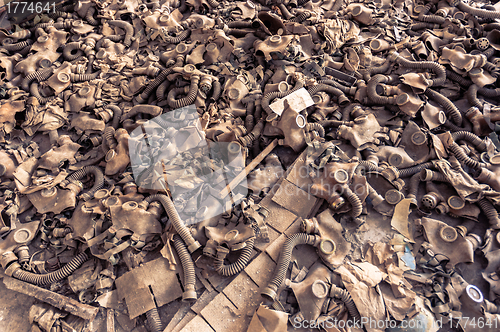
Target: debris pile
[[252, 166]]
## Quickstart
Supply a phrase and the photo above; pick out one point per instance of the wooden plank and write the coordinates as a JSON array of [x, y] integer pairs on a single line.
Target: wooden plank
[[236, 181], [59, 301]]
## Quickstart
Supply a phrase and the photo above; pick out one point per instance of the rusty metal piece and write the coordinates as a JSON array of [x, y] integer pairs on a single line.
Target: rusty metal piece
[[59, 301], [433, 196], [84, 278]]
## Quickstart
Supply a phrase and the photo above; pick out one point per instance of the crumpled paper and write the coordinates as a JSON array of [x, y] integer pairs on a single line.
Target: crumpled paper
[[396, 291], [400, 218], [361, 281], [268, 320]]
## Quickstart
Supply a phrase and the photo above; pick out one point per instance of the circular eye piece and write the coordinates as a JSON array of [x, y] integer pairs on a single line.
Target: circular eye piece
[[474, 293], [110, 155], [393, 196], [181, 48], [327, 246], [395, 159], [233, 94], [418, 138], [402, 99], [63, 77], [84, 92], [45, 63], [341, 176], [43, 39], [189, 68], [319, 289], [300, 120], [495, 159], [22, 235], [231, 235], [448, 233], [456, 202], [49, 192], [129, 206], [233, 147], [101, 194], [275, 39]]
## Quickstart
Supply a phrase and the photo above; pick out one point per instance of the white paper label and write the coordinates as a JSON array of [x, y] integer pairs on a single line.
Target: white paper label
[[297, 101]]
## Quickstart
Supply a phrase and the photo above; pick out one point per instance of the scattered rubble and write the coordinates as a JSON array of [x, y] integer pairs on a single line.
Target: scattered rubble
[[252, 166]]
